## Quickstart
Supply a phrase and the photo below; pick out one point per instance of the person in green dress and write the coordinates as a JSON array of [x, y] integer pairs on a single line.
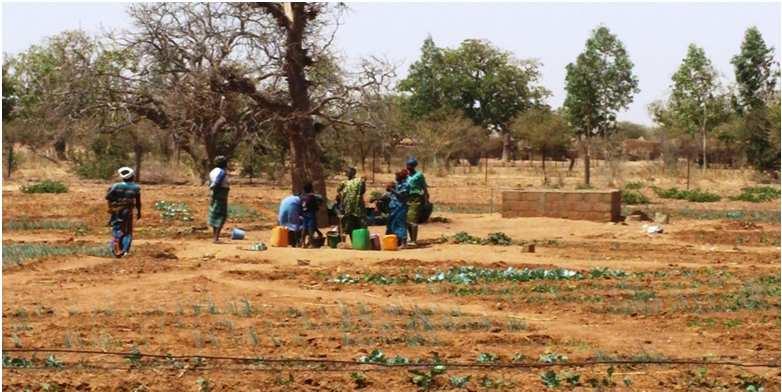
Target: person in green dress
[[350, 197], [218, 204], [418, 195]]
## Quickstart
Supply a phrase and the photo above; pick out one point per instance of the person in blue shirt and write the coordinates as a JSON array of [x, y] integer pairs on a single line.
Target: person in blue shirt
[[290, 217], [122, 198]]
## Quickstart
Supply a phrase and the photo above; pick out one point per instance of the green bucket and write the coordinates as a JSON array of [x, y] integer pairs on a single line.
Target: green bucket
[[333, 240], [360, 239]]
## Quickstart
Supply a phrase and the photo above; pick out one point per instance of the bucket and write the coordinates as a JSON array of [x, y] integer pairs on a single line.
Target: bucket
[[333, 239], [279, 237], [317, 241], [360, 239], [374, 239], [237, 234], [390, 242]]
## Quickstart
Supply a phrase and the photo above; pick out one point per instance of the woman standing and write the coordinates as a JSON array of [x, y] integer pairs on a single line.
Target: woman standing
[[218, 204], [419, 196], [397, 204], [122, 198]]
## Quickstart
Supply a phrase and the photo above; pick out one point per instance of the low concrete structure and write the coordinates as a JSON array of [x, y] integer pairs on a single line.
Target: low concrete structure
[[593, 205]]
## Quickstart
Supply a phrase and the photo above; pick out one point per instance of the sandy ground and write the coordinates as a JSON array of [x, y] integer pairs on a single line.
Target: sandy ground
[[704, 289]]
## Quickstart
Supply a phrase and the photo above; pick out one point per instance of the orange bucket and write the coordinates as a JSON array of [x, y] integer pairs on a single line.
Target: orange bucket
[[390, 242], [279, 237]]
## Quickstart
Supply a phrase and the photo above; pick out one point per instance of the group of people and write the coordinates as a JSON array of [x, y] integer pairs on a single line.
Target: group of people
[[298, 213], [405, 198]]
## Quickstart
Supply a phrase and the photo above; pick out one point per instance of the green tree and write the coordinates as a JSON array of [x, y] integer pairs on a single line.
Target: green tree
[[10, 99], [756, 71], [545, 131], [757, 103], [487, 84], [696, 101], [599, 84]]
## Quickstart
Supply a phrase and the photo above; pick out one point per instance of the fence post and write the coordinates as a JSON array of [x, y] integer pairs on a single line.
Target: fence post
[[486, 173], [491, 204]]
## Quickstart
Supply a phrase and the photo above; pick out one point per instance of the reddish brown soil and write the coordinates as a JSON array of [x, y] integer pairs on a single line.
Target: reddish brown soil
[[689, 293]]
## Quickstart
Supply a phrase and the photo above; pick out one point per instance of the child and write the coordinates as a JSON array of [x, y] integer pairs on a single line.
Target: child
[[310, 203]]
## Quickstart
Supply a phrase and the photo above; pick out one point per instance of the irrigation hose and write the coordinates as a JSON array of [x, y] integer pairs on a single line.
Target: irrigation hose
[[316, 361]]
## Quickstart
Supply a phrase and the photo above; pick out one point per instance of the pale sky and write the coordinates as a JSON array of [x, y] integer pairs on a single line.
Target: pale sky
[[655, 35]]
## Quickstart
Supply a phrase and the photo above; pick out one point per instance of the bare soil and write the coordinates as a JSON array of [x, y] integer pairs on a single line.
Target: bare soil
[[704, 289]]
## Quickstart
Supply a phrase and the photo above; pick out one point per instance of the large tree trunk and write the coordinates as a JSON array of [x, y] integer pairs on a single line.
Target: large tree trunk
[[9, 160], [138, 154], [60, 146], [543, 165], [507, 147]]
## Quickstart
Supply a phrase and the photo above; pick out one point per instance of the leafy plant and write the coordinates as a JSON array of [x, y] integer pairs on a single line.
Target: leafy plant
[[203, 385], [606, 381], [359, 379], [45, 186], [174, 211], [487, 358], [9, 362], [550, 379], [425, 379], [693, 195], [634, 185], [398, 360], [376, 356], [498, 238], [465, 238], [552, 358], [134, 357], [53, 362], [634, 197], [459, 381], [758, 194]]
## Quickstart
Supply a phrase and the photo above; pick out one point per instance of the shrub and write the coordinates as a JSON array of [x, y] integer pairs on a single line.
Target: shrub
[[758, 194], [634, 197], [694, 195], [463, 237], [46, 186], [105, 155], [699, 196], [498, 238], [634, 185]]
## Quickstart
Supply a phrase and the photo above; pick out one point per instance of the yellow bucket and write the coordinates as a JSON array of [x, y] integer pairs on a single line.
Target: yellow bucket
[[389, 242], [279, 237]]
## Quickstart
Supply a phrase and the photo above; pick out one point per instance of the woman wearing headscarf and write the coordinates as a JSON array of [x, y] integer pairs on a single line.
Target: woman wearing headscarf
[[218, 204], [397, 204], [350, 197], [122, 198], [419, 195]]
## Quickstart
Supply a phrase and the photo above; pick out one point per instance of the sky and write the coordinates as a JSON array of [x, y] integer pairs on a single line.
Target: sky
[[656, 36]]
